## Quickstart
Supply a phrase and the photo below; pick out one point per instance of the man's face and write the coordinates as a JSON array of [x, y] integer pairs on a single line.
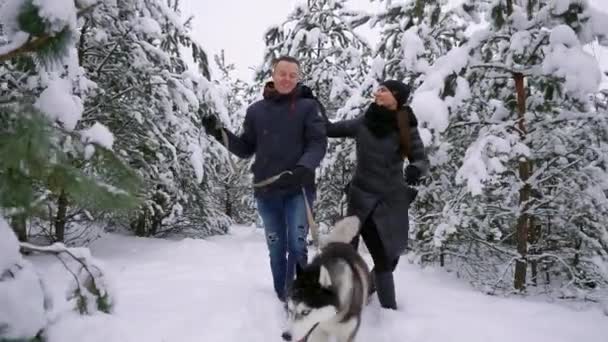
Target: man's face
[[285, 76]]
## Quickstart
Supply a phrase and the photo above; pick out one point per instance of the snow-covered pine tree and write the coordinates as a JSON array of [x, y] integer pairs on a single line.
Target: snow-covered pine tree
[[131, 75], [529, 200], [234, 188], [41, 95], [414, 33], [334, 58], [38, 140], [153, 102]]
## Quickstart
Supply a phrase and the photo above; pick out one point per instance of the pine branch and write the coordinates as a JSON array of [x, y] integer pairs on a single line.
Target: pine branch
[[114, 97], [94, 288], [107, 57], [29, 47], [542, 41], [87, 9], [524, 71], [35, 44], [56, 248], [561, 260], [10, 272], [492, 246], [502, 277]]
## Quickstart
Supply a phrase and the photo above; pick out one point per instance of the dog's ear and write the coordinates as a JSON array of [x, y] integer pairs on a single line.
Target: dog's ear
[[324, 277]]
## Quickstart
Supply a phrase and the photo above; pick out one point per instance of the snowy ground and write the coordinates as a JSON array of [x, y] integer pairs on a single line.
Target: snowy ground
[[220, 290]]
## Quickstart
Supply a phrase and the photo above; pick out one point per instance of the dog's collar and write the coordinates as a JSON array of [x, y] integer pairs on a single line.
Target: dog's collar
[[305, 338]]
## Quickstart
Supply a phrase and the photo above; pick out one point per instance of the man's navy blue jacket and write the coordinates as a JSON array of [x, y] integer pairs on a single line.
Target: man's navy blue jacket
[[283, 131]]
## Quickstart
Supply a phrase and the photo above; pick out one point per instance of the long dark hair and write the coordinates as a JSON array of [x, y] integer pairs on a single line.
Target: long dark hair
[[403, 122]]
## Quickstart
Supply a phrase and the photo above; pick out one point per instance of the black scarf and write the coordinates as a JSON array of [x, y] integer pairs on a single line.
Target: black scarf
[[381, 121]]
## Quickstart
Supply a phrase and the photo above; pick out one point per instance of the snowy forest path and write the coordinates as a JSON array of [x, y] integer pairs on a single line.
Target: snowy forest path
[[220, 289]]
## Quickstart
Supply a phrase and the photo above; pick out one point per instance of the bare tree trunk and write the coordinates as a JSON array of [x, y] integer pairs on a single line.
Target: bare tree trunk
[[524, 194], [140, 224], [530, 8], [547, 274], [419, 9], [19, 226], [60, 219], [509, 7], [534, 250], [82, 42], [228, 201]]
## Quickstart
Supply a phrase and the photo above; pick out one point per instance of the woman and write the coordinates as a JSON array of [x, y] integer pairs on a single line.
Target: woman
[[379, 193]]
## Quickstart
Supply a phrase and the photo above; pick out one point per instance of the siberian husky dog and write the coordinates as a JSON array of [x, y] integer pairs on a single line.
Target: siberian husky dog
[[328, 295]]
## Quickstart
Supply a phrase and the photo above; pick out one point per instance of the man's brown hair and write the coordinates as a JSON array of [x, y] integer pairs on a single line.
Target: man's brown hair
[[286, 59]]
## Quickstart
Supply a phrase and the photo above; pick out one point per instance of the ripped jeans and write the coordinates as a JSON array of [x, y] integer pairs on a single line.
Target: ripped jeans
[[286, 228]]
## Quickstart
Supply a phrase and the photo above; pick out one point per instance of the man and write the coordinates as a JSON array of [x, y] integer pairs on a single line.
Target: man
[[286, 133]]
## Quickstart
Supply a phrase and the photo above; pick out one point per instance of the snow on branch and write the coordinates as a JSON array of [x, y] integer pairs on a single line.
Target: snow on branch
[[23, 43], [91, 292]]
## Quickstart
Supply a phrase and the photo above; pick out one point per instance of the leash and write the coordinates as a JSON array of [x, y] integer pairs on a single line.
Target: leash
[[312, 225], [310, 332], [270, 180]]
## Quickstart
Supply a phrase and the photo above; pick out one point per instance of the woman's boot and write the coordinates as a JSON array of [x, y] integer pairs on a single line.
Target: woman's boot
[[385, 287]]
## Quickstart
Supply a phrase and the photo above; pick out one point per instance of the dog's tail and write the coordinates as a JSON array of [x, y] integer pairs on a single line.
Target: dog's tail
[[344, 230]]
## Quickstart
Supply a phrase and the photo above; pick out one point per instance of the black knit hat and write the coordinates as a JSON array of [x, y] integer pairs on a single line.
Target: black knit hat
[[400, 91]]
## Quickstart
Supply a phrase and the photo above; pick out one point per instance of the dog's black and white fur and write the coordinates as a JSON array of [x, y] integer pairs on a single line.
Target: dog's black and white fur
[[328, 295]]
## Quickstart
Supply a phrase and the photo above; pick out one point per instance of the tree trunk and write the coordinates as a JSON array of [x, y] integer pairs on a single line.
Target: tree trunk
[[419, 9], [228, 202], [19, 227], [524, 193], [534, 249], [530, 8], [509, 7], [82, 42], [60, 219], [139, 225]]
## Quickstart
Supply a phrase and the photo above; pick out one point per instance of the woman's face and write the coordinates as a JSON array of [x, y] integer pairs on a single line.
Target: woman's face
[[383, 97]]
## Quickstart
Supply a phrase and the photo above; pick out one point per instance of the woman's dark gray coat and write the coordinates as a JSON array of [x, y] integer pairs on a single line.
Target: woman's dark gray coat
[[378, 186]]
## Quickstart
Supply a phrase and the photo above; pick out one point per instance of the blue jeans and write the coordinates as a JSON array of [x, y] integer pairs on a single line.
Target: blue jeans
[[286, 228]]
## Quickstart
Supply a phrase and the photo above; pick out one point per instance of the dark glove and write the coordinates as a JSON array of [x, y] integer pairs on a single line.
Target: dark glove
[[296, 178], [212, 127], [412, 175]]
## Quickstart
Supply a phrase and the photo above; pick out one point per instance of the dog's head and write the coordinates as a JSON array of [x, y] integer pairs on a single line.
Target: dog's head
[[311, 301]]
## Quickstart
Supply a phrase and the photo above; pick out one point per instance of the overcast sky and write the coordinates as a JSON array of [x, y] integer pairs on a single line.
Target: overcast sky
[[238, 26]]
